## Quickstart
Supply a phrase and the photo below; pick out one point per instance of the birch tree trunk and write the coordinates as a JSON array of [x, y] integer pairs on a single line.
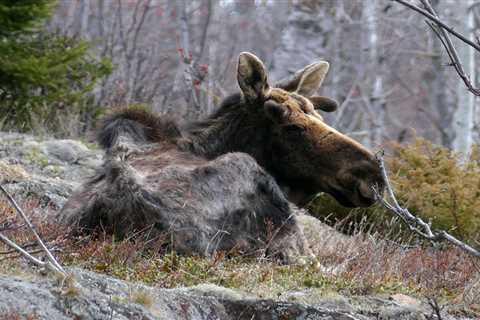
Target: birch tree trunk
[[376, 99], [436, 80], [463, 119]]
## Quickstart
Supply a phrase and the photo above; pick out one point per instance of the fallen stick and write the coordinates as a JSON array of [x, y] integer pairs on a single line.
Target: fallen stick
[[51, 262]]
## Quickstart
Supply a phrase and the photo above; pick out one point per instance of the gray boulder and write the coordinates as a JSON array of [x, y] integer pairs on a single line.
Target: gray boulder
[[102, 297], [45, 169]]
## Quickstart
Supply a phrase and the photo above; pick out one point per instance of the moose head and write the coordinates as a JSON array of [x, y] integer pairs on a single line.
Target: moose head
[[305, 154]]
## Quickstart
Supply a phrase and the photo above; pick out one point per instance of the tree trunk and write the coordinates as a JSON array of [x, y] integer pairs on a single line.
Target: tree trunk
[[376, 99], [464, 113]]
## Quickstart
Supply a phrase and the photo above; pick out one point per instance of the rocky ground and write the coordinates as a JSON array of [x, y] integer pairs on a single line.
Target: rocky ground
[[102, 297], [48, 170]]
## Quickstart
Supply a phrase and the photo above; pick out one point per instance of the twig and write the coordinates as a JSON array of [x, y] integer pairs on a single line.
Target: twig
[[443, 34], [414, 223], [436, 308], [24, 246], [9, 257], [52, 261], [451, 51], [27, 255], [440, 23]]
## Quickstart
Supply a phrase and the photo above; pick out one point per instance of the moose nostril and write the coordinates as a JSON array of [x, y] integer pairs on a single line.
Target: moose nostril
[[365, 191]]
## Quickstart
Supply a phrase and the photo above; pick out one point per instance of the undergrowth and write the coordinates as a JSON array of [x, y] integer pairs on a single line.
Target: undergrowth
[[430, 181], [361, 264]]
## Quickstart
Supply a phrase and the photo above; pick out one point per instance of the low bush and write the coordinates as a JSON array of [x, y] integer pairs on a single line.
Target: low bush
[[431, 181]]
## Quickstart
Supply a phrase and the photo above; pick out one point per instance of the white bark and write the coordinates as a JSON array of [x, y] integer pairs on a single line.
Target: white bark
[[376, 103], [463, 119]]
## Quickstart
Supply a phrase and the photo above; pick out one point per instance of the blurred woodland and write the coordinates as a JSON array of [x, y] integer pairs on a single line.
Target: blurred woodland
[[388, 69], [66, 63]]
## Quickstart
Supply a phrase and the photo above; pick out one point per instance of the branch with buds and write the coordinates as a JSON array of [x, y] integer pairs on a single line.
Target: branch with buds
[[414, 223]]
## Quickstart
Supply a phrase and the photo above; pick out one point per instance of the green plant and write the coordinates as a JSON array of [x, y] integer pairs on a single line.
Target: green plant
[[42, 75], [142, 297], [431, 181]]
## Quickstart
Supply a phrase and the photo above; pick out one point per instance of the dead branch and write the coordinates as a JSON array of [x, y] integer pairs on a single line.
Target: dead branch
[[436, 308], [414, 223], [51, 263], [24, 253], [27, 245], [434, 17], [442, 31], [18, 255]]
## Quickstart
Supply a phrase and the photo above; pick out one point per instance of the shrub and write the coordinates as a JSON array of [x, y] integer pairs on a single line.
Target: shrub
[[431, 182]]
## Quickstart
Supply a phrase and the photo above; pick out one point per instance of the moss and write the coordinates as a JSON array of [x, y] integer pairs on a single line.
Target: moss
[[35, 156], [261, 278], [142, 297], [119, 299], [55, 170]]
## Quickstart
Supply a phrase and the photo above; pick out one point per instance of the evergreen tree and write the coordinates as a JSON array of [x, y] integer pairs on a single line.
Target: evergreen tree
[[42, 75]]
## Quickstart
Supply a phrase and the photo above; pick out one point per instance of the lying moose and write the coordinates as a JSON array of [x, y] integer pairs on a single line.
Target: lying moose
[[228, 182]]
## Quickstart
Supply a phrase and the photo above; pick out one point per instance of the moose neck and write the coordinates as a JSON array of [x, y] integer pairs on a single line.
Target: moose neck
[[233, 128]]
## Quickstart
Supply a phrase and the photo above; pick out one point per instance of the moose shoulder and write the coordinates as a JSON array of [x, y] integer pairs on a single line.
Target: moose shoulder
[[223, 183]]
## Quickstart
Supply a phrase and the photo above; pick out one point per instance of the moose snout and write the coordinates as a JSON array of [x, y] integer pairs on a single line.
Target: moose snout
[[369, 192], [372, 185], [363, 183]]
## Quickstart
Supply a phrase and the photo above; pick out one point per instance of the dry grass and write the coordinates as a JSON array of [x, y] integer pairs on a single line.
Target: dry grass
[[360, 264], [142, 297], [18, 316]]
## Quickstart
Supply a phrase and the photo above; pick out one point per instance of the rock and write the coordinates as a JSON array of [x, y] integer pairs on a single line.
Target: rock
[[12, 172], [49, 192], [103, 297], [68, 151], [48, 170]]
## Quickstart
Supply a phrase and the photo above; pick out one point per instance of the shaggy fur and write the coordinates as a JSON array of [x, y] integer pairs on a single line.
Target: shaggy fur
[[204, 207], [135, 126], [222, 183]]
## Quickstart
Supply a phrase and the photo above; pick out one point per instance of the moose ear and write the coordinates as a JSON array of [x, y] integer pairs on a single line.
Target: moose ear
[[323, 103], [252, 77], [307, 80]]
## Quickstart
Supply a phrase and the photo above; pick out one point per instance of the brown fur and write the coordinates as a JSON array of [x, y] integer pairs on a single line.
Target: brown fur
[[217, 184], [285, 133]]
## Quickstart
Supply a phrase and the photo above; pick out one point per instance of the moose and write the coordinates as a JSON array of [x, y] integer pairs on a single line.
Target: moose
[[232, 182]]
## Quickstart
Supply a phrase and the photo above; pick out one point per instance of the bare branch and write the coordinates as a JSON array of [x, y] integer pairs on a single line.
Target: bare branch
[[23, 252], [436, 308], [414, 223], [52, 261], [436, 19], [452, 52], [442, 34]]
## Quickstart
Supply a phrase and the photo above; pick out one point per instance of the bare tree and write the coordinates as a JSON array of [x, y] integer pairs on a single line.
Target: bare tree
[[465, 109], [376, 100]]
